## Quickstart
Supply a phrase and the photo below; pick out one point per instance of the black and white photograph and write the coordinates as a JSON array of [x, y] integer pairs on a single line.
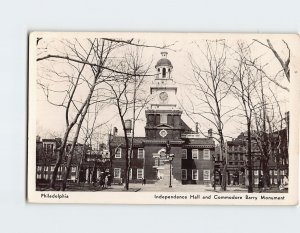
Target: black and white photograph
[[174, 118]]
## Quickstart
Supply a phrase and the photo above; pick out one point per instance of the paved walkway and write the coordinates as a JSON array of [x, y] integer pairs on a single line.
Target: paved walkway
[[184, 188]]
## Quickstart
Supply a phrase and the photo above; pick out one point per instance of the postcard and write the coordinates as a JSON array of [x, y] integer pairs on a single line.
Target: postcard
[[163, 118]]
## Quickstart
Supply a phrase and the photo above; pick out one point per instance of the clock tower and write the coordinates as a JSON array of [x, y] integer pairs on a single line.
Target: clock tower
[[163, 115], [163, 88]]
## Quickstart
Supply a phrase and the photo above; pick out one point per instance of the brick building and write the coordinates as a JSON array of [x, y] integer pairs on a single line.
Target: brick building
[[237, 159], [86, 162], [192, 163]]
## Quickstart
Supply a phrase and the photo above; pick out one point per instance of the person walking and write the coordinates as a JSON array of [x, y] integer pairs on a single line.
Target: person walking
[[106, 181]]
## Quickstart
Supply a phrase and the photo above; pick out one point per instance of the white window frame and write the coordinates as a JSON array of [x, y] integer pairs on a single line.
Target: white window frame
[[52, 168], [282, 172], [197, 174], [137, 173], [39, 168], [206, 175], [183, 171], [256, 180], [118, 155], [256, 172], [275, 173], [206, 154], [117, 169], [73, 169], [184, 153], [143, 155], [193, 150], [46, 168]]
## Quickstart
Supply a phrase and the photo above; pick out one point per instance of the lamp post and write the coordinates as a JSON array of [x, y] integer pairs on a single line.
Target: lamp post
[[171, 157]]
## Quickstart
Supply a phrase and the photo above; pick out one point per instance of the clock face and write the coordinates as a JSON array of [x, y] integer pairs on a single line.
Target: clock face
[[163, 133], [163, 96]]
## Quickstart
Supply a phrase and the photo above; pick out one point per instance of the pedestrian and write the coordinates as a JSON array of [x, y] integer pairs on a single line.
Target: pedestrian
[[285, 183], [144, 181], [106, 181], [260, 184]]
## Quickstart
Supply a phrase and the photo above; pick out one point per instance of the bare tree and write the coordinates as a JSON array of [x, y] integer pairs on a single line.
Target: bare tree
[[86, 60], [129, 98], [283, 60], [244, 90], [212, 87]]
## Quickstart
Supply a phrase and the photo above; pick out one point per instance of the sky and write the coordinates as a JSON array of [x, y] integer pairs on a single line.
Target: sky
[[50, 119]]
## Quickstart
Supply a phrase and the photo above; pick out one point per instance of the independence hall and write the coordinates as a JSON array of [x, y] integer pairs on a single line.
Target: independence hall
[[192, 161]]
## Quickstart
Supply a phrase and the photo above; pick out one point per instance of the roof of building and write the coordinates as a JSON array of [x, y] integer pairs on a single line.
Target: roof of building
[[199, 141], [164, 62], [186, 128], [120, 140]]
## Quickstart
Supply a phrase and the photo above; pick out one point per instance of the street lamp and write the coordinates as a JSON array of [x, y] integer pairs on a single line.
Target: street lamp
[[171, 157]]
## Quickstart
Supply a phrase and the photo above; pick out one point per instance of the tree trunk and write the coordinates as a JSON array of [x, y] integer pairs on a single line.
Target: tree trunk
[[250, 187]]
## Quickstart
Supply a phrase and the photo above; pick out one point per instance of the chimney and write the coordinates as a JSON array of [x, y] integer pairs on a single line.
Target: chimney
[[209, 132], [197, 127], [128, 126], [115, 131], [38, 138]]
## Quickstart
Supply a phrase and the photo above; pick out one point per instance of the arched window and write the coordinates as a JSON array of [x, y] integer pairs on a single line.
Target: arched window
[[164, 72]]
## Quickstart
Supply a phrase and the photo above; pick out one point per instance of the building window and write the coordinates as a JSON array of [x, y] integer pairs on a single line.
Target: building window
[[117, 172], [38, 176], [270, 172], [156, 162], [163, 118], [52, 168], [275, 181], [184, 153], [282, 172], [275, 172], [118, 153], [206, 154], [194, 174], [184, 174], [256, 172], [164, 72], [206, 174], [39, 168], [46, 168], [73, 169], [256, 181], [140, 174], [195, 153], [141, 153]]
